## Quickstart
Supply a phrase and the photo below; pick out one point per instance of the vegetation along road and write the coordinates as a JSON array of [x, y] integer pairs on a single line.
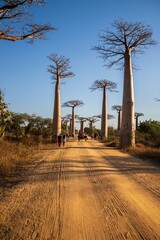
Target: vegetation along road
[[84, 191]]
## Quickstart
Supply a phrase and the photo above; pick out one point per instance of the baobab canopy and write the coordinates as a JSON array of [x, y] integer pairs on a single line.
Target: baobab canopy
[[128, 36]]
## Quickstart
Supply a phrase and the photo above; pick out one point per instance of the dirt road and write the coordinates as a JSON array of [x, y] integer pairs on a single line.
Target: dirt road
[[84, 191]]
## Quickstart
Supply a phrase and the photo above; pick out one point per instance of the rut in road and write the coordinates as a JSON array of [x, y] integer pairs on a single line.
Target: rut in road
[[84, 191]]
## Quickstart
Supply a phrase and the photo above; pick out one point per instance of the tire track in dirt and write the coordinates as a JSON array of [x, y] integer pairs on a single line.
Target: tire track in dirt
[[127, 221], [80, 209], [33, 205]]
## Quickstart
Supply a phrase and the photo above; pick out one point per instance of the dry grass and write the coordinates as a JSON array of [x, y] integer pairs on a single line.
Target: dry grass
[[146, 153], [12, 156]]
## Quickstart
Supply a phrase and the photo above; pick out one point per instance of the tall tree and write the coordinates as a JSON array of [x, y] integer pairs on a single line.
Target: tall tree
[[109, 117], [91, 121], [17, 21], [104, 85], [69, 118], [118, 108], [117, 47], [59, 69], [73, 104], [82, 120], [137, 115]]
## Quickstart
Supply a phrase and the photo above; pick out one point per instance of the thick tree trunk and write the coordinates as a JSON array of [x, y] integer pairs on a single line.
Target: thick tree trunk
[[82, 126], [136, 123], [104, 122], [127, 132], [57, 112], [119, 120], [73, 122], [91, 128], [70, 127]]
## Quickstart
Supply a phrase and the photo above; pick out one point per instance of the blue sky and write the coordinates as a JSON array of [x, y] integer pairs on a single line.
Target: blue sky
[[28, 86]]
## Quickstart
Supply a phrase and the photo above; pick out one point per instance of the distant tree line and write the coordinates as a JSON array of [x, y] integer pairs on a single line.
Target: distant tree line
[[16, 126], [22, 127]]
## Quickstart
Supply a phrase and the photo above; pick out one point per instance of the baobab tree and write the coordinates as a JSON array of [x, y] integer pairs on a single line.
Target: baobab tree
[[91, 121], [73, 104], [137, 115], [69, 118], [82, 120], [104, 85], [16, 21], [59, 69], [118, 108], [117, 47], [109, 117]]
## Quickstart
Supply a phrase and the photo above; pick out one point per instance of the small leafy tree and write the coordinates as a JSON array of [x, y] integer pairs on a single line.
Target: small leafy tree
[[5, 116], [17, 128]]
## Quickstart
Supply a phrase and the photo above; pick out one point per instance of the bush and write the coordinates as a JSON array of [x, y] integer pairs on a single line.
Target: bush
[[148, 133]]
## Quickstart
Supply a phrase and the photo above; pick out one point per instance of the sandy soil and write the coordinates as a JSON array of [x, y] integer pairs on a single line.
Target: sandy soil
[[84, 191]]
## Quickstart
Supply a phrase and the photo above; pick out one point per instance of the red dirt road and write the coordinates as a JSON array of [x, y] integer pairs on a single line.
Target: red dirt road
[[84, 191]]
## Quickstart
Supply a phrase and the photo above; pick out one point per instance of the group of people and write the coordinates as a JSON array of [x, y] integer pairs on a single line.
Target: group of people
[[61, 140]]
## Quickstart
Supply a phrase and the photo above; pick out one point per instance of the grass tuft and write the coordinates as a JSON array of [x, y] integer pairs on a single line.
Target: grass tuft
[[146, 153]]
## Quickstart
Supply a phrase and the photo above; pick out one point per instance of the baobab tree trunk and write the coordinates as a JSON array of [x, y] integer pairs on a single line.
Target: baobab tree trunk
[[119, 120], [82, 126], [104, 122], [91, 128], [73, 122], [70, 127], [127, 133], [136, 123], [57, 112]]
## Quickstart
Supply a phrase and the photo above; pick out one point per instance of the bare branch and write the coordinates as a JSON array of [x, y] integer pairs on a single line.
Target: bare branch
[[14, 14], [138, 115], [73, 103], [128, 36], [101, 84], [59, 67], [118, 108]]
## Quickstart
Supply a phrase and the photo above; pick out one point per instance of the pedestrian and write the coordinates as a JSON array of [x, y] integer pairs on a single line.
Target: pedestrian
[[64, 140], [59, 140]]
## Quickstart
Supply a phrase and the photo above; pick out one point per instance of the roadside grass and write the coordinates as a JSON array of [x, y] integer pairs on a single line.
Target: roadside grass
[[13, 155], [145, 152]]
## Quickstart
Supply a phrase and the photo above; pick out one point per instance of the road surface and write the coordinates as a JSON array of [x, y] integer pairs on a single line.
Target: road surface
[[84, 191]]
